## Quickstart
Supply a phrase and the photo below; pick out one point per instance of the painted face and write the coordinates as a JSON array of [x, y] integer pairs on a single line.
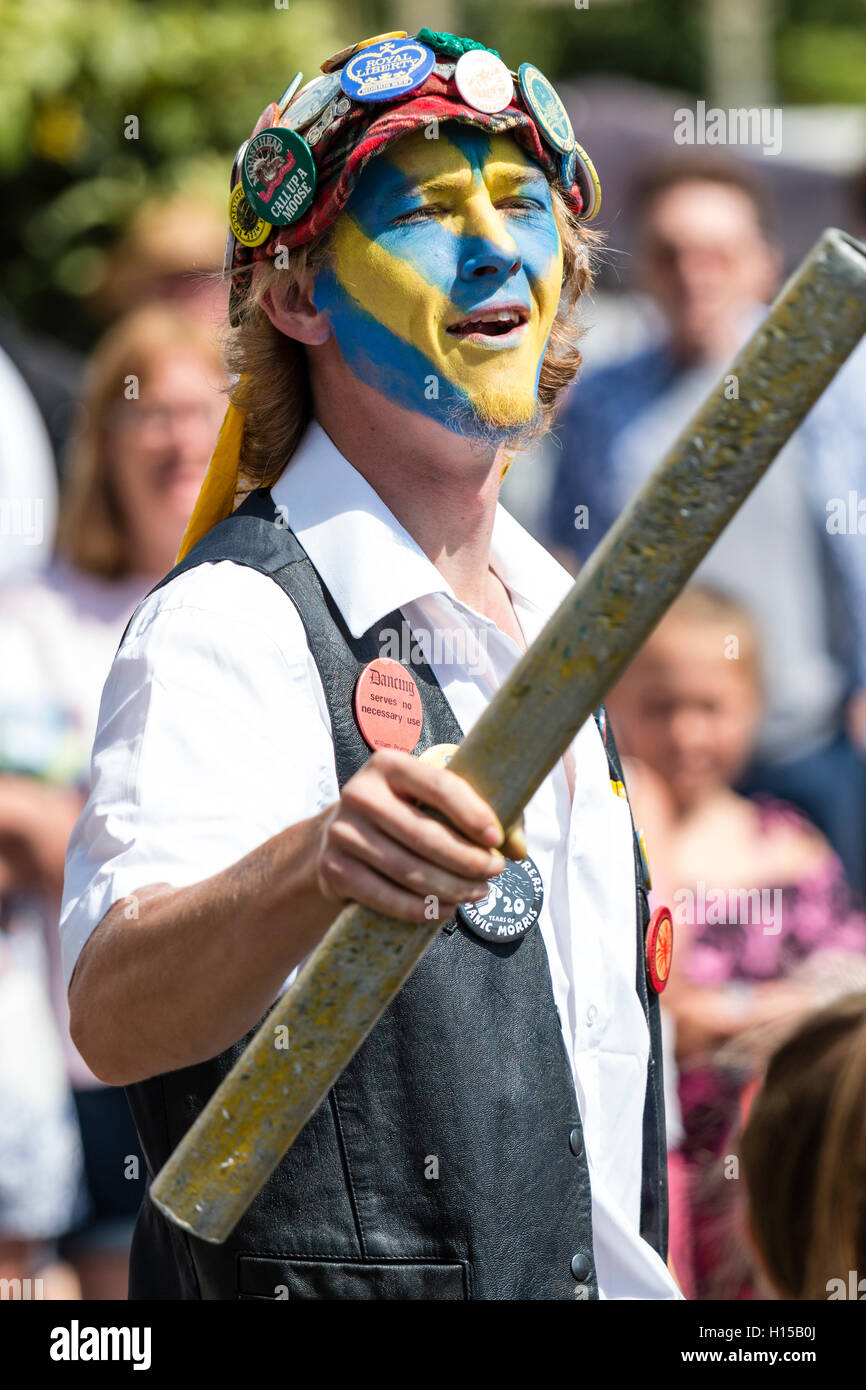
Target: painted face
[[445, 278]]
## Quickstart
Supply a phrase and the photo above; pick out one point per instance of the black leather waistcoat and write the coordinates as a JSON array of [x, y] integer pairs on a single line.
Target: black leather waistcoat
[[447, 1161]]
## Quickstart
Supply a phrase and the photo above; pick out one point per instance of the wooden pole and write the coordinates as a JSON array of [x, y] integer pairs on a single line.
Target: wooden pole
[[621, 593]]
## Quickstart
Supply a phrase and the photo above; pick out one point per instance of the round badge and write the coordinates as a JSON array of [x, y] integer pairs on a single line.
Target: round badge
[[388, 705], [247, 226], [278, 175], [659, 948], [387, 70], [338, 60], [547, 108], [440, 754], [289, 93], [314, 133], [590, 186], [483, 81], [311, 101], [512, 905]]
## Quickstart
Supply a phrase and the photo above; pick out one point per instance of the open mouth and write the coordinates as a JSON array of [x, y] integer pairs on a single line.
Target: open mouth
[[490, 323]]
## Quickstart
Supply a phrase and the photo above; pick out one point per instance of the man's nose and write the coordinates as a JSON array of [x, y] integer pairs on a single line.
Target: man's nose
[[487, 250], [484, 258]]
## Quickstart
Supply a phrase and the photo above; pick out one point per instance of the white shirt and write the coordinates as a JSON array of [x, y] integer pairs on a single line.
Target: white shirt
[[28, 478], [214, 735], [59, 630]]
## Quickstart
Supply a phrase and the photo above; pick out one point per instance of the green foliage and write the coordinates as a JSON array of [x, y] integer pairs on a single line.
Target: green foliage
[[196, 76], [822, 64], [197, 73]]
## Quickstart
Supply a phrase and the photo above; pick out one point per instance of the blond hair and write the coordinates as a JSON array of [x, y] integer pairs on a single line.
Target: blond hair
[[92, 532], [273, 389]]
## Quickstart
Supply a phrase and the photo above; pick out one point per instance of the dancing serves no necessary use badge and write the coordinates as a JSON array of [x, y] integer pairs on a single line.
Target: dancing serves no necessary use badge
[[388, 705]]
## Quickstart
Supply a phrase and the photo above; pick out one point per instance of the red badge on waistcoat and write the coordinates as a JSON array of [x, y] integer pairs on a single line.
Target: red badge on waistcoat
[[659, 948], [388, 705]]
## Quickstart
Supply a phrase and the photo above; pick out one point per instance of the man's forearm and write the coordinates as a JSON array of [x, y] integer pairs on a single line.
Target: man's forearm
[[194, 968]]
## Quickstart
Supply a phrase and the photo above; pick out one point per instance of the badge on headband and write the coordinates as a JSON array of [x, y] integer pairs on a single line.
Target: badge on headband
[[546, 106], [484, 81], [278, 174], [590, 185], [246, 225], [311, 101], [338, 60], [387, 70]]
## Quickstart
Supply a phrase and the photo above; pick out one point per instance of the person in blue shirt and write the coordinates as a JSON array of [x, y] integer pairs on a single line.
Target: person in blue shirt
[[709, 260]]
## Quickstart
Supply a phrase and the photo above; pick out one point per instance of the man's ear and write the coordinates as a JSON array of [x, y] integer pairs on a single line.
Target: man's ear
[[289, 306]]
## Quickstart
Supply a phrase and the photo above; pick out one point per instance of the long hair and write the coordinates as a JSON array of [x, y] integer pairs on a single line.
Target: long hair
[[91, 532], [273, 388], [804, 1154]]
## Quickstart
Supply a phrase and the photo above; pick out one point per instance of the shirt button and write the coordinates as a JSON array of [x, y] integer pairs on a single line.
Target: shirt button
[[575, 1142], [591, 1015], [581, 1267]]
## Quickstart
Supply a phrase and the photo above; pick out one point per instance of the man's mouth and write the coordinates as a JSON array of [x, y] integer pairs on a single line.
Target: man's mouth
[[487, 324]]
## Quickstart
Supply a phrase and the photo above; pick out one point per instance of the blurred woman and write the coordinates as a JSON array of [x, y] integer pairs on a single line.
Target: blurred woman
[[754, 889], [151, 410], [804, 1158]]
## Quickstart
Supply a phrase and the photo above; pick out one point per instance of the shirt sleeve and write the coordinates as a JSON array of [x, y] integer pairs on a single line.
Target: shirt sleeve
[[213, 736]]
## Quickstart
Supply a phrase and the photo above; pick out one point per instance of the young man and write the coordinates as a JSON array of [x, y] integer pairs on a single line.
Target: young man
[[500, 1134]]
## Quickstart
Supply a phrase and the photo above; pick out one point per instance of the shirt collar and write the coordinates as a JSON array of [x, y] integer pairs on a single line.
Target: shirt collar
[[369, 561]]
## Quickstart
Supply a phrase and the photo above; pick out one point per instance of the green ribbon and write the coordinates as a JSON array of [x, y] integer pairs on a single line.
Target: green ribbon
[[450, 45]]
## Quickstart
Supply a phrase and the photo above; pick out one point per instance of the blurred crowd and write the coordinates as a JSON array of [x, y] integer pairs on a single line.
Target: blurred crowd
[[742, 722]]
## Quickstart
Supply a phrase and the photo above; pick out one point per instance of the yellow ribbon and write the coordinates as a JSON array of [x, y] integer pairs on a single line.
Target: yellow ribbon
[[217, 497]]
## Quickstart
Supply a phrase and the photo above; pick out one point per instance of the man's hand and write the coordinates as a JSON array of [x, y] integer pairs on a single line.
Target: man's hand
[[380, 850]]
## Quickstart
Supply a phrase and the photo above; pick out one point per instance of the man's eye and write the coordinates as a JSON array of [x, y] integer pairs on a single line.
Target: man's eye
[[417, 214], [520, 204]]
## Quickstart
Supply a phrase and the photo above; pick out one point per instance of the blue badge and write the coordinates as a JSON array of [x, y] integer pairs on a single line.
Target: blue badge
[[568, 168], [547, 108], [387, 70]]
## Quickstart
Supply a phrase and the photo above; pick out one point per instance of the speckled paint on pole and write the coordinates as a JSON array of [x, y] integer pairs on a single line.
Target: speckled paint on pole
[[620, 595]]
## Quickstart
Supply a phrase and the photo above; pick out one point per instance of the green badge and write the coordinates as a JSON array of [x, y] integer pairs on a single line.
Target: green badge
[[278, 174], [547, 108]]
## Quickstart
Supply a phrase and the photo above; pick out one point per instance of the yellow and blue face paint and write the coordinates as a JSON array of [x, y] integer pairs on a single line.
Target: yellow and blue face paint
[[445, 279]]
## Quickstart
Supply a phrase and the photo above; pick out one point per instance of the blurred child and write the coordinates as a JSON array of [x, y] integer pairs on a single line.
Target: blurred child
[[754, 889], [804, 1158], [152, 407]]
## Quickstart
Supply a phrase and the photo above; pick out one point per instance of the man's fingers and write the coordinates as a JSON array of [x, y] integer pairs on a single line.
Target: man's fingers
[[377, 803], [350, 880], [446, 792], [381, 852]]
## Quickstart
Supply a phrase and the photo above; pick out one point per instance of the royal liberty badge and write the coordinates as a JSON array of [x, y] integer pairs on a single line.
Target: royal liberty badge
[[387, 70], [511, 907], [278, 174]]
